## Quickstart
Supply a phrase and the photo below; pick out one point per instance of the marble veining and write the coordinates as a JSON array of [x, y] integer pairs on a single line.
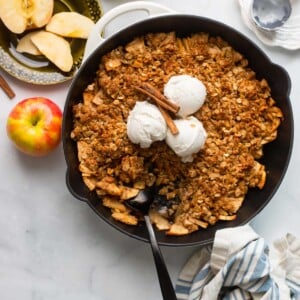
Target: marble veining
[[53, 246]]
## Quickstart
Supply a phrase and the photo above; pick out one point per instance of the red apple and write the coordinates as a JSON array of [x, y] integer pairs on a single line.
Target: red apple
[[34, 126]]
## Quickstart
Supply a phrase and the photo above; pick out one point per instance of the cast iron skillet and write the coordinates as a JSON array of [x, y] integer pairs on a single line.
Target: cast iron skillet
[[276, 154]]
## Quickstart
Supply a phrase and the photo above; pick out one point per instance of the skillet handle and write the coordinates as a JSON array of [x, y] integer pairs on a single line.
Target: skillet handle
[[96, 36], [71, 185]]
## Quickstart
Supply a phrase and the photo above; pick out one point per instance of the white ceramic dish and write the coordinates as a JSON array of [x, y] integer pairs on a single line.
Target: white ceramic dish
[[97, 35]]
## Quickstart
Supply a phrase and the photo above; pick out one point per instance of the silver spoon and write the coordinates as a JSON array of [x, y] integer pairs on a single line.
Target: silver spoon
[[141, 203], [271, 14]]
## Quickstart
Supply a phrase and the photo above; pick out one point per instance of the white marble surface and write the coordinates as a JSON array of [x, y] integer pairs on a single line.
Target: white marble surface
[[54, 247]]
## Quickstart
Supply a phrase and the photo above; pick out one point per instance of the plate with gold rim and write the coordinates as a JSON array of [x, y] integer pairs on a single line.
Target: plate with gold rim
[[37, 69]]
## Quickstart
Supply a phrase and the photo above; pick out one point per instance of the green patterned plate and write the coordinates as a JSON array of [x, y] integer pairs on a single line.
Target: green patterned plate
[[37, 69]]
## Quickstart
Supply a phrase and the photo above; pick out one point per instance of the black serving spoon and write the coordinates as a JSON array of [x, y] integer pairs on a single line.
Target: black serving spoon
[[141, 203]]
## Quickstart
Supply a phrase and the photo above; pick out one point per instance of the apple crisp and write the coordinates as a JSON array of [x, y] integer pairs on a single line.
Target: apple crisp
[[239, 115]]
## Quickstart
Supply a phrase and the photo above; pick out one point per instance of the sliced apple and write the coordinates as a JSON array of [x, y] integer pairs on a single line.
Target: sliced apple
[[25, 45], [13, 16], [70, 24], [55, 48], [42, 11], [19, 15]]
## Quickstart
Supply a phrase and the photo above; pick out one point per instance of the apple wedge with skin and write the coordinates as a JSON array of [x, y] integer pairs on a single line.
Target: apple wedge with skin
[[55, 48], [20, 15], [70, 24]]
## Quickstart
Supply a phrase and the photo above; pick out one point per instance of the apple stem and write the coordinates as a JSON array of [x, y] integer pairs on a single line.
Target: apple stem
[[35, 120]]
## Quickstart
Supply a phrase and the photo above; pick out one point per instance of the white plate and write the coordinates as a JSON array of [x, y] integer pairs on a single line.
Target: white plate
[[287, 36]]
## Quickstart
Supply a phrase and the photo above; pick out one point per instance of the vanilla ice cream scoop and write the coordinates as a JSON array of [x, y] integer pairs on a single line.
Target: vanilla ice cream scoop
[[190, 139], [145, 124], [187, 92]]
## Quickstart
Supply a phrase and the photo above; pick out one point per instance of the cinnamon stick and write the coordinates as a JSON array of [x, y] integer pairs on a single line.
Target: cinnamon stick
[[163, 104], [6, 88], [170, 123], [154, 91], [158, 99]]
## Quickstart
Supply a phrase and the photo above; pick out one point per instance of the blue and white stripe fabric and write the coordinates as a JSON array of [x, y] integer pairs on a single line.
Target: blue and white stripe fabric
[[238, 267]]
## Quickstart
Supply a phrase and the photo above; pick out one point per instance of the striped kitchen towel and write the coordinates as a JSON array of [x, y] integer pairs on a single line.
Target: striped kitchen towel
[[240, 265]]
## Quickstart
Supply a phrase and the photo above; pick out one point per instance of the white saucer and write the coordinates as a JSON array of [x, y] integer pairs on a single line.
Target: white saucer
[[287, 36]]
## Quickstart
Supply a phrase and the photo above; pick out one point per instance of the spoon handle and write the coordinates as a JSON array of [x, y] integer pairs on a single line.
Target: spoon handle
[[165, 282]]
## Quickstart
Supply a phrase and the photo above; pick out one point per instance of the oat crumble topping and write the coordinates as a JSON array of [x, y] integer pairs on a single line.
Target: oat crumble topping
[[239, 116]]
